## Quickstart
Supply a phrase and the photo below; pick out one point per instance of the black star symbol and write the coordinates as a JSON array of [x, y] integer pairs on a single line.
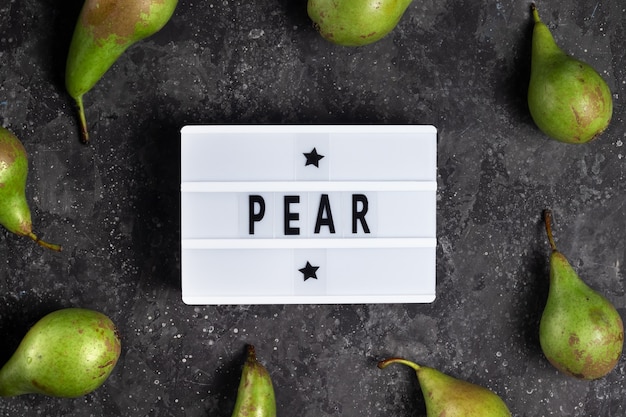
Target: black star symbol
[[309, 271], [313, 158]]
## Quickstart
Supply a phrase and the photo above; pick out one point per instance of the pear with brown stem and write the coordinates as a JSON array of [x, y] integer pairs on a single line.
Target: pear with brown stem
[[15, 214], [568, 100], [105, 29], [581, 333], [255, 395], [448, 396]]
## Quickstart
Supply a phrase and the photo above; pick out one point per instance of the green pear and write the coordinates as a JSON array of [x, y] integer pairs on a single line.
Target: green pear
[[15, 214], [105, 29], [355, 22], [568, 100], [580, 332], [68, 353], [452, 397], [255, 396]]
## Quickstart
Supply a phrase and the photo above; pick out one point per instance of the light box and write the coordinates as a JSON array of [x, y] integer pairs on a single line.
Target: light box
[[308, 214]]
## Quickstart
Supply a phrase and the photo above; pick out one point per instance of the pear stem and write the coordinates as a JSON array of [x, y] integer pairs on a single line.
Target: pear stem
[[42, 243], [84, 133], [535, 12], [251, 353], [384, 363], [547, 218]]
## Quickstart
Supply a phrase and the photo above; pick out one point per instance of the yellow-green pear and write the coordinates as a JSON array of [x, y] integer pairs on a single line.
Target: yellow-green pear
[[568, 100], [355, 22], [255, 396], [15, 213], [105, 29], [580, 332], [68, 353], [451, 397]]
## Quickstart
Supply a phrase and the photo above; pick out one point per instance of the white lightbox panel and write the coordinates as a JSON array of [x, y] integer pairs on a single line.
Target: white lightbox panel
[[308, 214]]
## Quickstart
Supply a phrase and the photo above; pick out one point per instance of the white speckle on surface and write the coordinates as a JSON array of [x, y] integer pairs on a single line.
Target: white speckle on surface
[[256, 33]]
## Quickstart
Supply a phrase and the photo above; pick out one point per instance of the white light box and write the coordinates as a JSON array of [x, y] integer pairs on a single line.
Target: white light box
[[308, 214]]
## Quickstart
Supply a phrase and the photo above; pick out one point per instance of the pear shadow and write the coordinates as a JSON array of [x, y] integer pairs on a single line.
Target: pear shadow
[[301, 28], [54, 47], [157, 232], [63, 14], [296, 11], [535, 266], [225, 385], [412, 399], [18, 315], [536, 297], [512, 91]]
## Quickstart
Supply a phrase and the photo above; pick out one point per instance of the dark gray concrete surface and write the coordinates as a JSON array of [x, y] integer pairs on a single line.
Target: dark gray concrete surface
[[114, 205]]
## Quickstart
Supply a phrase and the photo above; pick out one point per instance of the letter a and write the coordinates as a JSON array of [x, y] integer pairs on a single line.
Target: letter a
[[321, 220]]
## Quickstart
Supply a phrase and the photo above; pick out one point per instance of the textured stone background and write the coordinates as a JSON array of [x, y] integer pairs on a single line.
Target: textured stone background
[[462, 66]]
